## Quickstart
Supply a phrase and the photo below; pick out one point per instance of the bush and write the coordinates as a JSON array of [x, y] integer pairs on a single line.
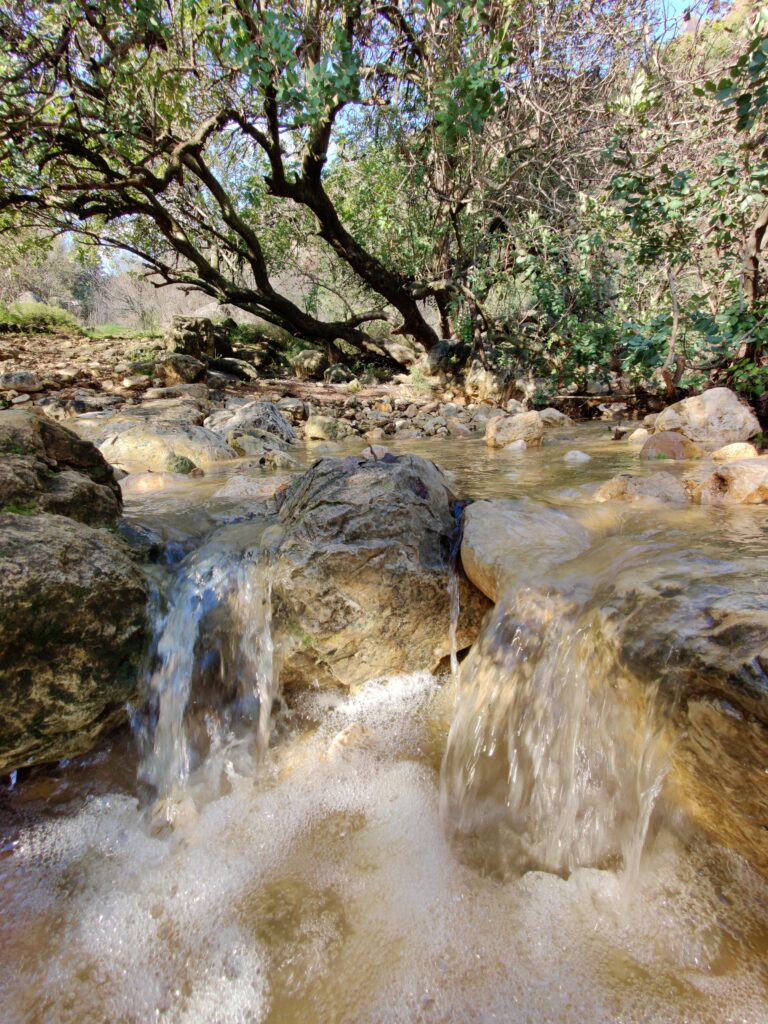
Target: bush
[[36, 316]]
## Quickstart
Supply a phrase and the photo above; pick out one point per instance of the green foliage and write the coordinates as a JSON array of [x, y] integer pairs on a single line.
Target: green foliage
[[37, 316], [120, 331]]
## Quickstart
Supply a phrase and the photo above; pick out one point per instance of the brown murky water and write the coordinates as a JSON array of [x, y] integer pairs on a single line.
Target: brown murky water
[[321, 885]]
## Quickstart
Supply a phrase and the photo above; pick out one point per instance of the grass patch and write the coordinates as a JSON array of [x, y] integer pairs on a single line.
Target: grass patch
[[418, 381], [37, 316], [101, 331]]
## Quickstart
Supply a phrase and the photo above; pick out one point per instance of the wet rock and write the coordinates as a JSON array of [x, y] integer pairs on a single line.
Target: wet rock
[[712, 419], [263, 416], [151, 483], [658, 487], [506, 543], [154, 446], [362, 571], [251, 487], [177, 368], [670, 445], [639, 436], [503, 430], [326, 428], [735, 452], [735, 483], [46, 468], [694, 630], [575, 456], [20, 380], [72, 634], [309, 364], [254, 441]]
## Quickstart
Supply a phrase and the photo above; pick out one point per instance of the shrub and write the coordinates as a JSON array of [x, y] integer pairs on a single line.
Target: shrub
[[37, 316]]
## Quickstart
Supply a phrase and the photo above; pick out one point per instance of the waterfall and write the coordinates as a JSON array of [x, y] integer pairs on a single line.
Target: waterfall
[[212, 681], [551, 762], [454, 590]]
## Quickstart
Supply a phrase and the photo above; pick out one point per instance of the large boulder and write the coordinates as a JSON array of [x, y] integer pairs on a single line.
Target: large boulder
[[694, 630], [505, 430], [158, 446], [670, 445], [263, 416], [734, 483], [177, 368], [712, 419], [361, 571], [191, 336], [656, 488], [72, 633], [46, 468], [486, 383], [309, 364], [326, 428]]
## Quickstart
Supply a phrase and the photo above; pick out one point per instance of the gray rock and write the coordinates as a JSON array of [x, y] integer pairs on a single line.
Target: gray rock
[[46, 468], [177, 368], [191, 336], [250, 415], [20, 380], [309, 364], [362, 571]]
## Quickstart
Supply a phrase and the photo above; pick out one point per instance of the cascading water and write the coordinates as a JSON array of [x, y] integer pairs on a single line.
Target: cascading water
[[454, 590], [213, 683], [551, 762]]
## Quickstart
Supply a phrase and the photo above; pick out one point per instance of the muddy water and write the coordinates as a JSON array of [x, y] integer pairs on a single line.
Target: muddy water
[[317, 883]]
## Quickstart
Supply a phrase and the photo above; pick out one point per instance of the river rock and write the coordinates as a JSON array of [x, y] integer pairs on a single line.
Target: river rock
[[46, 468], [191, 336], [658, 487], [554, 418], [712, 419], [735, 483], [694, 629], [264, 416], [155, 447], [72, 634], [326, 428], [735, 452], [361, 571], [20, 380], [670, 445], [487, 384], [506, 543], [639, 436], [309, 364], [177, 368], [575, 456], [525, 426]]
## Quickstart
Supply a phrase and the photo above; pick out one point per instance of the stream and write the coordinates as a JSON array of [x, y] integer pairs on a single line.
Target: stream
[[448, 848]]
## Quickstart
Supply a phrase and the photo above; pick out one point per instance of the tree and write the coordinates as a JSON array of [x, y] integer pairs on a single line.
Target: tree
[[177, 131]]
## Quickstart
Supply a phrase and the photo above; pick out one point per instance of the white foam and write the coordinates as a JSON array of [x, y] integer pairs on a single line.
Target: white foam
[[325, 890]]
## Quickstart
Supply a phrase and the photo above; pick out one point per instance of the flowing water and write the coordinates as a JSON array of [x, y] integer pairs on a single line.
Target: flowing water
[[502, 844]]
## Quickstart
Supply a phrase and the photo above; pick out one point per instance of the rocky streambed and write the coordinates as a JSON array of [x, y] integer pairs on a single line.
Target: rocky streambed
[[320, 820]]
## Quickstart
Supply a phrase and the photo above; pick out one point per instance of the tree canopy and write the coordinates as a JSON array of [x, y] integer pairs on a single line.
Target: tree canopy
[[568, 184]]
